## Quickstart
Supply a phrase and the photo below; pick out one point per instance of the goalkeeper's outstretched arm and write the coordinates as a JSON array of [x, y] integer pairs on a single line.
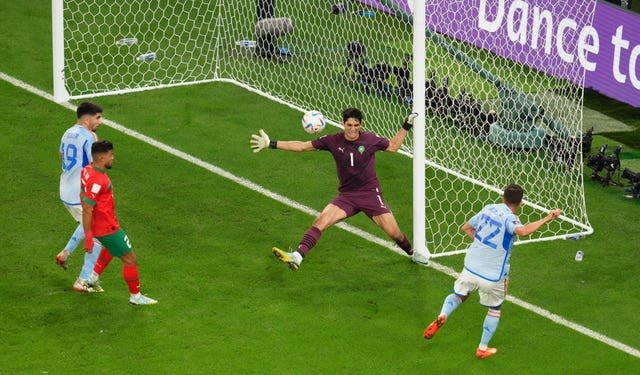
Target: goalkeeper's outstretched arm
[[294, 146], [396, 141], [262, 141]]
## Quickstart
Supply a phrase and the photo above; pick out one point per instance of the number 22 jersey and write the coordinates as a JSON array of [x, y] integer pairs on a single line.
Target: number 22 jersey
[[488, 256]]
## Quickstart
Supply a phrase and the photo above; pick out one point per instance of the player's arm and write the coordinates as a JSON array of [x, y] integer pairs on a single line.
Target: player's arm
[[527, 229], [469, 230], [398, 139], [294, 145], [87, 219], [262, 141], [88, 192]]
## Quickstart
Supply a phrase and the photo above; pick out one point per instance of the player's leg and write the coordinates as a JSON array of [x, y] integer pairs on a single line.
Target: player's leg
[[492, 295], [104, 258], [333, 213], [464, 285], [130, 274], [76, 237], [390, 226], [90, 260], [450, 304], [489, 327], [373, 205], [120, 246]]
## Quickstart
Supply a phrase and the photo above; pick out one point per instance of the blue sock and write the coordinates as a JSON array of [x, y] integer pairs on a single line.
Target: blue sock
[[77, 236], [450, 304], [489, 327], [90, 260]]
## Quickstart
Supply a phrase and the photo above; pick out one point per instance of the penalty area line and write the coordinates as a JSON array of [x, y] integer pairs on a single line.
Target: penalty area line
[[310, 211]]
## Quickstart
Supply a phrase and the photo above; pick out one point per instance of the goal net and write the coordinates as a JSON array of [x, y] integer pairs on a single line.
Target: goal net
[[503, 81]]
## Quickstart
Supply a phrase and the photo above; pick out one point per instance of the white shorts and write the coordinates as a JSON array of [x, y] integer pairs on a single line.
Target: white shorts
[[492, 293], [75, 211]]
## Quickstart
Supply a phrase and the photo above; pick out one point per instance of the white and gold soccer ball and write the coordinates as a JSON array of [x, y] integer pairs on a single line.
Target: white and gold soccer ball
[[313, 122]]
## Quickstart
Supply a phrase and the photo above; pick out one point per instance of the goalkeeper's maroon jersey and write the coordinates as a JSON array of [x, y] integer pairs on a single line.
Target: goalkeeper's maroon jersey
[[96, 189], [355, 160]]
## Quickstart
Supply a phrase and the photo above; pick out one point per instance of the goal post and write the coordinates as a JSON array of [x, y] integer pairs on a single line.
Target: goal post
[[421, 248], [108, 47], [60, 93], [499, 100]]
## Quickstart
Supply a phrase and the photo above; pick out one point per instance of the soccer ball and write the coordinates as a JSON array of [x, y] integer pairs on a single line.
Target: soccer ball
[[313, 122]]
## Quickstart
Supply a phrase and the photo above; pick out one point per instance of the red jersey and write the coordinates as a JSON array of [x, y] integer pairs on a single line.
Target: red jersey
[[96, 190]]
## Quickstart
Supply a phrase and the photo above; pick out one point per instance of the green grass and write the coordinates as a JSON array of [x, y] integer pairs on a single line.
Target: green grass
[[226, 305], [619, 111]]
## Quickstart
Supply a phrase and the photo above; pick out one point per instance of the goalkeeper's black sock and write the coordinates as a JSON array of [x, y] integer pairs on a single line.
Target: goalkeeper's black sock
[[309, 240], [405, 245]]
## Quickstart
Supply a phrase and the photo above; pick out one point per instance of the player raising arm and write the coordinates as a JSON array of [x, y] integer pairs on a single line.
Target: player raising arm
[[486, 264], [99, 222], [354, 153]]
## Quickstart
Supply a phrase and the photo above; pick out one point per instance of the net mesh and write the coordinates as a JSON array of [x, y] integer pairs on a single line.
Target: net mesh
[[119, 45], [494, 117]]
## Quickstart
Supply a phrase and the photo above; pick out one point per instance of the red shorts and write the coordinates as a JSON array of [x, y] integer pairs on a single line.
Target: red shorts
[[370, 202]]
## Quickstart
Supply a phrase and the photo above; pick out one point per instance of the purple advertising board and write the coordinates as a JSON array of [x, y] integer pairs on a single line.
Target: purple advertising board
[[617, 74], [598, 49]]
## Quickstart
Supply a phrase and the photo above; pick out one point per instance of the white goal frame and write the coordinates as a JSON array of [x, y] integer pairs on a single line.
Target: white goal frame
[[420, 163]]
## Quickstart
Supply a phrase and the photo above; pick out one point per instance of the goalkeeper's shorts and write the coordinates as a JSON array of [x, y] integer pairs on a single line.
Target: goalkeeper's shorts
[[370, 202]]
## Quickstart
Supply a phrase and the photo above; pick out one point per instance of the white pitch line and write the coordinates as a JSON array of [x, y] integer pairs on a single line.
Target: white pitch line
[[308, 210]]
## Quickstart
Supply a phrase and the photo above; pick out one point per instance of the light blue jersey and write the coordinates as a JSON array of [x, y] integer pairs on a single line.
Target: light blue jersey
[[488, 256], [75, 148]]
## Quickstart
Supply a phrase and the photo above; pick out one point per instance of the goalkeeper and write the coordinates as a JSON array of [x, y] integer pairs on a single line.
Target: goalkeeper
[[354, 153]]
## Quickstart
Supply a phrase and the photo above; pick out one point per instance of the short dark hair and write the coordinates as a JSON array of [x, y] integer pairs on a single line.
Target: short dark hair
[[351, 113], [513, 194], [100, 147], [88, 108]]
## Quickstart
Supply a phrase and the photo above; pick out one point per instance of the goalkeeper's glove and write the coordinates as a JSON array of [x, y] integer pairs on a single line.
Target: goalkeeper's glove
[[88, 242], [408, 122], [258, 142]]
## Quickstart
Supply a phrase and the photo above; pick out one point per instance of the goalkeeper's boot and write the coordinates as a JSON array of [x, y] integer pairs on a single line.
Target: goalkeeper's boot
[[433, 328], [62, 259], [83, 286], [480, 353], [94, 282], [141, 299], [293, 259], [420, 259]]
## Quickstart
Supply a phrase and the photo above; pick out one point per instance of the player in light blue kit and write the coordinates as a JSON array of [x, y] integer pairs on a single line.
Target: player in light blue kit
[[486, 265], [75, 154]]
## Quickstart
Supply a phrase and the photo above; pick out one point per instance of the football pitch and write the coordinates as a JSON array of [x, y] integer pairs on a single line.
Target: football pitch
[[203, 212]]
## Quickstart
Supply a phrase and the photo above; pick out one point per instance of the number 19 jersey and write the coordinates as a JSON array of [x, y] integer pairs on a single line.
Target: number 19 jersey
[[488, 256], [75, 148]]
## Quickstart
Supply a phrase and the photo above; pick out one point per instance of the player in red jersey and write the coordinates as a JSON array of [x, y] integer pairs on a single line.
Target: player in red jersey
[[99, 222], [354, 153]]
